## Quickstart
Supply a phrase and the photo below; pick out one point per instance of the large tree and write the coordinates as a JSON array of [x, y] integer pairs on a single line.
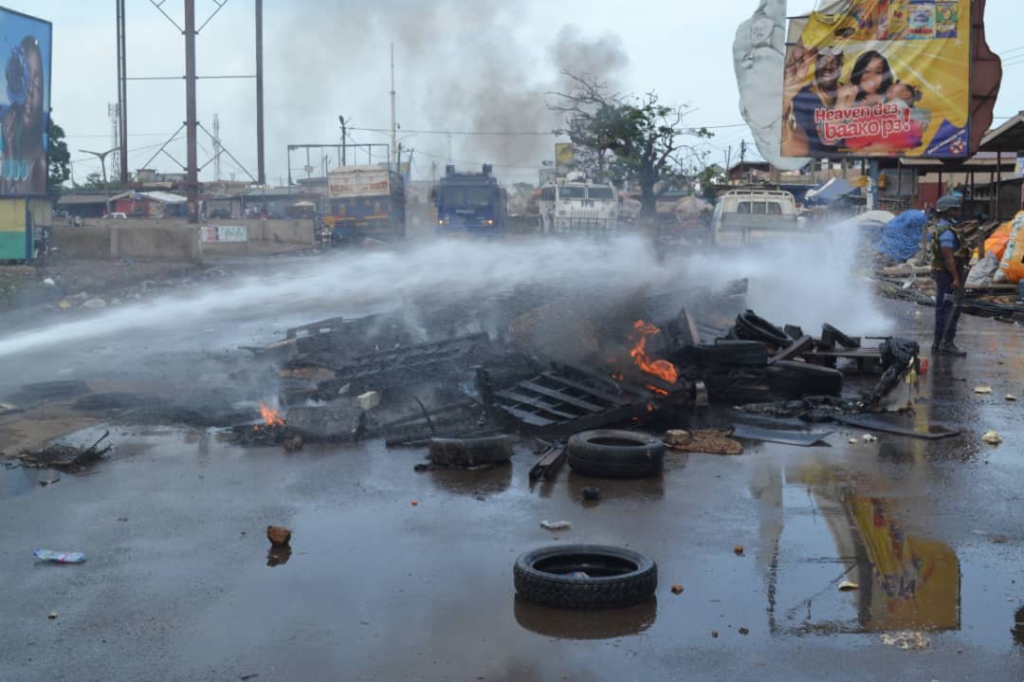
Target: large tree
[[629, 138], [60, 161]]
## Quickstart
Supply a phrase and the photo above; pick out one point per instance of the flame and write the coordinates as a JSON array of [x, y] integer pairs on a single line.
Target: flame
[[663, 369], [270, 416]]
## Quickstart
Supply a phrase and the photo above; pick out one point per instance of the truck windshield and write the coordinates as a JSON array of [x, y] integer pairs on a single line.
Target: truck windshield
[[572, 192], [600, 193], [474, 197]]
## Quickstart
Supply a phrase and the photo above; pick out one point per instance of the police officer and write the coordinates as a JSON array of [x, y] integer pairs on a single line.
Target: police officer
[[950, 257]]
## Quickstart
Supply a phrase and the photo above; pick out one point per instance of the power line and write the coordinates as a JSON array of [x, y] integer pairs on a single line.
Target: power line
[[508, 133]]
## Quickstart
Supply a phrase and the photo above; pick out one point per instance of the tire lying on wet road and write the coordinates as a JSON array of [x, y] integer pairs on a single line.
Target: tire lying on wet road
[[611, 453], [796, 379], [585, 576]]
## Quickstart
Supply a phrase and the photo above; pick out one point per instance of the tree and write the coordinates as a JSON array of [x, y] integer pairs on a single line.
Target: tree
[[60, 161], [629, 138]]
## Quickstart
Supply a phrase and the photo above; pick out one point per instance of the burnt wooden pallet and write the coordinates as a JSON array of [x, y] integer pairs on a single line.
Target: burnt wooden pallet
[[565, 400], [867, 360]]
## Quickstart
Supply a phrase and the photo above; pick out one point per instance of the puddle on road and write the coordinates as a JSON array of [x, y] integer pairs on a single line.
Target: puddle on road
[[842, 527], [585, 624]]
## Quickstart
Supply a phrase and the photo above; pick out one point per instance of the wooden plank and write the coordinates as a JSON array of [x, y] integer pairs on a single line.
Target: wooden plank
[[613, 399], [640, 393], [801, 345], [549, 464], [535, 403], [526, 417], [562, 397], [848, 353]]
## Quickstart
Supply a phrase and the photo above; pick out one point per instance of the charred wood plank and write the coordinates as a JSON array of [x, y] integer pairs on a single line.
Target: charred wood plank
[[561, 397], [798, 347]]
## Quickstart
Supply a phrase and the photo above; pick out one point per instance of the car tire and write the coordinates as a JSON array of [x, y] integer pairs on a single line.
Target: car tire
[[751, 327], [470, 452], [551, 576], [797, 379], [610, 453]]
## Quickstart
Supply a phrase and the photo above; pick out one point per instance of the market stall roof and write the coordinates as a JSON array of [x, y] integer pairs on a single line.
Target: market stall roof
[[831, 191], [1007, 138], [980, 162]]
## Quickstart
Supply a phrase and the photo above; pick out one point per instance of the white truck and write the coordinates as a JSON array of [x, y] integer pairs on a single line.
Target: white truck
[[568, 207], [742, 214]]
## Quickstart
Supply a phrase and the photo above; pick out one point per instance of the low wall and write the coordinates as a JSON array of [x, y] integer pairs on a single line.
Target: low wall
[[91, 242], [279, 231], [162, 243]]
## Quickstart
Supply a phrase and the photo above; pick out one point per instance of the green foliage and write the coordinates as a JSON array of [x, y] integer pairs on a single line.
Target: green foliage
[[60, 161]]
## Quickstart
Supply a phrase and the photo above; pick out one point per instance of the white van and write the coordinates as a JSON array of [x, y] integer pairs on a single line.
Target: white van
[[570, 207], [741, 212]]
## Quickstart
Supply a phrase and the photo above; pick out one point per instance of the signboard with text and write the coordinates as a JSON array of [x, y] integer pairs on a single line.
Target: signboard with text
[[879, 78], [219, 234]]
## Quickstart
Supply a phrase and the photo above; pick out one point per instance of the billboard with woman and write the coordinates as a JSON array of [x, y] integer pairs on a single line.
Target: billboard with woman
[[880, 78]]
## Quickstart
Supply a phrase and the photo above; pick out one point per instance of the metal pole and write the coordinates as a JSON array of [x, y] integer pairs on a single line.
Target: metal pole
[[191, 124], [876, 172], [122, 91], [261, 170], [999, 185], [394, 126]]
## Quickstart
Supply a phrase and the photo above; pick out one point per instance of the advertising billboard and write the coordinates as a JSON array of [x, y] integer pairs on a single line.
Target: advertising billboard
[[563, 158], [879, 78]]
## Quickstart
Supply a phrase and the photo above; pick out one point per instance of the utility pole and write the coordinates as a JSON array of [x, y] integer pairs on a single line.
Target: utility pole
[[192, 156], [433, 171], [344, 141], [394, 126], [216, 147], [261, 171], [450, 160], [743, 155], [122, 93]]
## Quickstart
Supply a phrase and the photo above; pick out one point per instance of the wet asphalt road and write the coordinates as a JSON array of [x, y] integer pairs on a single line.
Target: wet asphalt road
[[177, 585]]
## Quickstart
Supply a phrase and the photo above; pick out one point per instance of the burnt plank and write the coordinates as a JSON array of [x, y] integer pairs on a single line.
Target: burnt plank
[[525, 417], [549, 464], [798, 347], [535, 403], [589, 390], [562, 397], [639, 393]]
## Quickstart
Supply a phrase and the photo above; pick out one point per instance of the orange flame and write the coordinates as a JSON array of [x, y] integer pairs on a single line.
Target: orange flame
[[663, 369], [270, 416]]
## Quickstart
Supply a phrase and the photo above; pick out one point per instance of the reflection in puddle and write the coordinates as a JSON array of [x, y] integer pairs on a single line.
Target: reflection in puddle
[[488, 480], [278, 556], [907, 582], [585, 623]]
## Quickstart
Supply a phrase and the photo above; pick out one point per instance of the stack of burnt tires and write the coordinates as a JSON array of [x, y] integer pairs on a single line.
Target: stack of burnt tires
[[737, 369]]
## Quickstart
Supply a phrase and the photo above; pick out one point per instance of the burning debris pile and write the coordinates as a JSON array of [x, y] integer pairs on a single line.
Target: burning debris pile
[[550, 371]]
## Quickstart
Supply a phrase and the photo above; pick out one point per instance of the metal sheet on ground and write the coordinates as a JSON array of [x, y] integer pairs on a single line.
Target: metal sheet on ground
[[786, 437], [900, 426]]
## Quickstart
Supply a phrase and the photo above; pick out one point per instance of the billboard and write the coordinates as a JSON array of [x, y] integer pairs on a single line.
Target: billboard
[[563, 158], [879, 78], [358, 181], [25, 47]]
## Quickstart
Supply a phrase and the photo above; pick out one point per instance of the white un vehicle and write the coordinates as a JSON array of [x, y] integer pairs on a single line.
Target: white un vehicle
[[572, 206]]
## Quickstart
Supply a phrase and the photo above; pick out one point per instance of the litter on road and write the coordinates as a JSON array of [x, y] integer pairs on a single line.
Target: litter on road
[[555, 525], [55, 557], [992, 438]]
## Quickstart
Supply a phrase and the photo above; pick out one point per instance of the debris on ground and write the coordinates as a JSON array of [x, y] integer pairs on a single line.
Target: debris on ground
[[906, 640], [677, 589], [591, 493], [53, 615], [710, 442], [744, 631], [555, 525], [279, 536], [580, 576], [550, 462], [854, 441], [66, 458], [615, 453], [848, 586], [54, 557], [992, 438], [983, 390], [714, 634], [470, 452], [738, 550], [1010, 397], [868, 438]]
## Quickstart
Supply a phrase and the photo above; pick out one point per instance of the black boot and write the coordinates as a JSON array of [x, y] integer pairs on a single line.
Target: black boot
[[949, 348]]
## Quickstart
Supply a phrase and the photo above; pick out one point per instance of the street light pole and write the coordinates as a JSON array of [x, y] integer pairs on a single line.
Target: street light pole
[[102, 156]]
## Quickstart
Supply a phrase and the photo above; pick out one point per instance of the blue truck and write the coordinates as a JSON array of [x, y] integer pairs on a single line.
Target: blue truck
[[365, 202], [471, 203]]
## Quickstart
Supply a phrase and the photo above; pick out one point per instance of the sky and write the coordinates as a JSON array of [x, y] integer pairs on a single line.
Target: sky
[[463, 67]]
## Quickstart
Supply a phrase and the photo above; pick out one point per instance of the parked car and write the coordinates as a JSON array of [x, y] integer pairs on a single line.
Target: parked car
[[116, 216]]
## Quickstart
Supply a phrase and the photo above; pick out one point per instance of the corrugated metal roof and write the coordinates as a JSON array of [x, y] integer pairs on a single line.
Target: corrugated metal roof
[[81, 199]]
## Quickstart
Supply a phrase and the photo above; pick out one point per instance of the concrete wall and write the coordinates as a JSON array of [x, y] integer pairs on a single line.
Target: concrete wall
[[83, 242], [161, 243], [170, 239]]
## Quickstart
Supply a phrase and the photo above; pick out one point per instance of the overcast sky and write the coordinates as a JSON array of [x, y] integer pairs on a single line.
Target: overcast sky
[[461, 66]]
